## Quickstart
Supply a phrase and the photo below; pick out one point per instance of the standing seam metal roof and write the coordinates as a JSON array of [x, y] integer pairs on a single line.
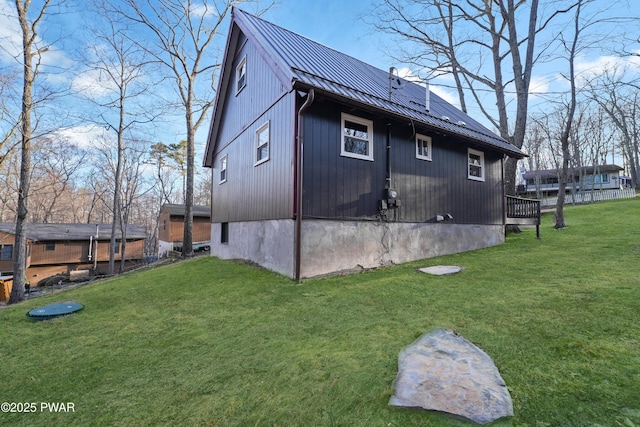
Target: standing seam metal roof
[[69, 232], [311, 64]]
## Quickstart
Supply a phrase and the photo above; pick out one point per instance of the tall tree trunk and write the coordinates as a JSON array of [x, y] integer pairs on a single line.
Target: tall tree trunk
[[559, 221], [29, 73], [187, 239], [117, 208]]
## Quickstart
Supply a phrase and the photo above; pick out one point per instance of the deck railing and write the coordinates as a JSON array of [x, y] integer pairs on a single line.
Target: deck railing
[[523, 211]]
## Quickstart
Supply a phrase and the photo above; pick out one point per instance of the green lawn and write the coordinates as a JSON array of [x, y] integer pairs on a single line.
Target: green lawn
[[214, 343]]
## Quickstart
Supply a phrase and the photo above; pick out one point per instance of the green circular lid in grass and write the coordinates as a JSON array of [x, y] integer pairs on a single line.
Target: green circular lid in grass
[[54, 310]]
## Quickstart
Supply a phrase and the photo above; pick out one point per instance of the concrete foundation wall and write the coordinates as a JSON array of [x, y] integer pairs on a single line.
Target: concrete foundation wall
[[268, 243], [332, 246], [340, 246]]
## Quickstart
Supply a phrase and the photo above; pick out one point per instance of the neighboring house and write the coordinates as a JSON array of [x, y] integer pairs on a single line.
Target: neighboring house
[[59, 249], [589, 178], [322, 163], [171, 228]]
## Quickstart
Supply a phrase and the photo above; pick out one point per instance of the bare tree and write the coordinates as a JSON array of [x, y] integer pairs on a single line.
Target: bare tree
[[31, 56], [479, 44], [119, 62], [169, 159], [184, 32], [8, 123], [129, 159], [617, 93], [55, 165], [571, 46], [131, 190]]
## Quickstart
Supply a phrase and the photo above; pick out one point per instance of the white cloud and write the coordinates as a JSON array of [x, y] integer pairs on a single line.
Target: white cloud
[[448, 96], [538, 86], [587, 68], [55, 62], [91, 84], [200, 10], [86, 136], [10, 33]]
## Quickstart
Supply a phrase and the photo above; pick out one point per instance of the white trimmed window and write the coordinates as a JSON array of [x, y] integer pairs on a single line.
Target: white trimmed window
[[241, 75], [223, 169], [357, 137], [475, 165], [262, 144], [423, 147]]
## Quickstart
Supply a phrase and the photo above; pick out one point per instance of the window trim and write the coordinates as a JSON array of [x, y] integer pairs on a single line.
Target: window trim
[[241, 71], [427, 139], [358, 120], [224, 165], [480, 154], [266, 126]]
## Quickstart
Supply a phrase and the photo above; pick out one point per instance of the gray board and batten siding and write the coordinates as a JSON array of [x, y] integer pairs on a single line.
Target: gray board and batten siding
[[338, 187], [254, 192]]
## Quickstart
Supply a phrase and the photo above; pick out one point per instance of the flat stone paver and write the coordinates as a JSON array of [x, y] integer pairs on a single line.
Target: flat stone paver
[[441, 270]]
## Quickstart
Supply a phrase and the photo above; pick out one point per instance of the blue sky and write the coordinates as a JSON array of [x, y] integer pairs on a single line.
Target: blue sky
[[338, 24], [334, 23]]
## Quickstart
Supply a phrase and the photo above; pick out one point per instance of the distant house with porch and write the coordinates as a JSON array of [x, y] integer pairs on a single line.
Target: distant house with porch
[[171, 228], [59, 249], [540, 183], [322, 163]]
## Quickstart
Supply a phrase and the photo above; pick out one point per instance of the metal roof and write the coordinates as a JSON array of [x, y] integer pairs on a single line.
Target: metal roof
[[69, 232], [178, 210], [306, 64], [587, 170]]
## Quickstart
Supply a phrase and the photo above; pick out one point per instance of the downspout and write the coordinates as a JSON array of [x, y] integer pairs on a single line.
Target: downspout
[[388, 180], [95, 258], [299, 147], [504, 195]]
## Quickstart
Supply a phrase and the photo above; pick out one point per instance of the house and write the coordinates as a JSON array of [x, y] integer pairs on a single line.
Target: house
[[322, 163], [586, 178], [60, 249], [171, 228]]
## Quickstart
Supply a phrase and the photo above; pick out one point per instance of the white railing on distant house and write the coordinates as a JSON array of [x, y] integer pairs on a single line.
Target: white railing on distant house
[[591, 196]]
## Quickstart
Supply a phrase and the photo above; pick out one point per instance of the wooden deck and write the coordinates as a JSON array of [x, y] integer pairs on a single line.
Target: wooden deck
[[521, 211]]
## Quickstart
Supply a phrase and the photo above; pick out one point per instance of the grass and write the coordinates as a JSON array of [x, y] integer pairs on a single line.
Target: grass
[[213, 343]]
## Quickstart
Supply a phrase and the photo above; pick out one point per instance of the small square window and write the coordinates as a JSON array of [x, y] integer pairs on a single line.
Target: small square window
[[423, 147], [6, 251], [357, 137], [50, 246], [262, 144], [475, 165], [241, 75], [224, 233], [223, 170]]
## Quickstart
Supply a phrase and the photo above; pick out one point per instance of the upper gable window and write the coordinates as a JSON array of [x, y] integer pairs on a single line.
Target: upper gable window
[[475, 160], [223, 169], [262, 144], [423, 147], [357, 137], [241, 75]]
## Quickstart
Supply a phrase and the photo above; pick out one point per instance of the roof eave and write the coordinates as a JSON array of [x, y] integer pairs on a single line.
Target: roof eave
[[302, 86]]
